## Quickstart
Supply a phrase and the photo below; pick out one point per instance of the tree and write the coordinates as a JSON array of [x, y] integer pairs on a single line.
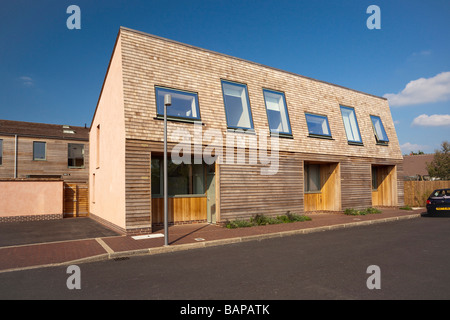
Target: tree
[[440, 166]]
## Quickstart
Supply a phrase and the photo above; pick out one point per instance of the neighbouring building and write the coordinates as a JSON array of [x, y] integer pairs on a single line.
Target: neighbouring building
[[35, 156], [39, 150], [253, 140], [415, 166]]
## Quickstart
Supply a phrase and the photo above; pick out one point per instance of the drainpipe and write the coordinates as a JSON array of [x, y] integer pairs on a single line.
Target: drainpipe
[[15, 156]]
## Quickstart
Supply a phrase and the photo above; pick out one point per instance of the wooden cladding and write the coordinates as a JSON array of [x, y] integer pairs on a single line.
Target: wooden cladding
[[328, 198], [76, 200], [385, 179], [137, 184], [180, 209], [242, 190], [245, 192]]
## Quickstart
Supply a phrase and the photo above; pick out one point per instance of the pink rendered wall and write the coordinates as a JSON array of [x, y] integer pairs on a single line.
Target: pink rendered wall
[[24, 198]]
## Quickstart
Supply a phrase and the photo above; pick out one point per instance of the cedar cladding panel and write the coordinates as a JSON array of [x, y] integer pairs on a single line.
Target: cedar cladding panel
[[137, 185], [264, 194], [150, 61]]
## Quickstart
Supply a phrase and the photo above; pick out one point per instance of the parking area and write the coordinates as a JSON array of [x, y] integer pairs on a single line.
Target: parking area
[[32, 232]]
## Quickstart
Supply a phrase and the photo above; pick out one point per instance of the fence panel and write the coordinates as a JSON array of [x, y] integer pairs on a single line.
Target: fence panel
[[417, 192], [76, 200]]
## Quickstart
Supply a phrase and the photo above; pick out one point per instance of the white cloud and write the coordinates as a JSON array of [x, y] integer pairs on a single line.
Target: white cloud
[[423, 90], [27, 81], [408, 147], [435, 120]]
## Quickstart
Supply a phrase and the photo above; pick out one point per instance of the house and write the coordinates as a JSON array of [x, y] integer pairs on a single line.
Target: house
[[41, 162], [415, 166], [243, 139], [38, 150]]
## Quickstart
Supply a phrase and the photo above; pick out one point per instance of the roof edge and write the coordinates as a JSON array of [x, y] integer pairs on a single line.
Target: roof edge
[[247, 61]]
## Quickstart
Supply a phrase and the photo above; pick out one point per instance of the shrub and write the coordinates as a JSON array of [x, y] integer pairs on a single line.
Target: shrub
[[238, 224], [262, 220], [351, 212], [354, 212]]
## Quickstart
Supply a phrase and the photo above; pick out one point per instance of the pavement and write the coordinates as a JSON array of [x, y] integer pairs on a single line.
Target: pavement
[[37, 244]]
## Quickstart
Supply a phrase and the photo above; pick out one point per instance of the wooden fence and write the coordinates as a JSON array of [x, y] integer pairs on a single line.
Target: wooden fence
[[76, 200], [417, 192]]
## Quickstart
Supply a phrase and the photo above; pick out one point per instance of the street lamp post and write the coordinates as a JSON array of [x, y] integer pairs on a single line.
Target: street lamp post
[[167, 102]]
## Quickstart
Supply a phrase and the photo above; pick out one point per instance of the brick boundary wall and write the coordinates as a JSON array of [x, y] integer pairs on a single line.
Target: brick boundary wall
[[31, 218]]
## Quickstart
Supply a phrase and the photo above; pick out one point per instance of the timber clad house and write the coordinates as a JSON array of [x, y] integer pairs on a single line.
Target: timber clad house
[[336, 148], [42, 151]]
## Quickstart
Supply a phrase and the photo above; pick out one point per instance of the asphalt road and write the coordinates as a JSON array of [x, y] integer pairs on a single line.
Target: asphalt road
[[413, 257]]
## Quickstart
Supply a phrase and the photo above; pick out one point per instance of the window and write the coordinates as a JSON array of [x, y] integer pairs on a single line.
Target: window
[[39, 150], [237, 106], [183, 179], [277, 112], [351, 125], [318, 125], [374, 178], [378, 128], [75, 155], [1, 152], [312, 177], [97, 160], [184, 104]]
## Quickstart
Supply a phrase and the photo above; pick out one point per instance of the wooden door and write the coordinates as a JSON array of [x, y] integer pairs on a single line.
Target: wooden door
[[76, 202]]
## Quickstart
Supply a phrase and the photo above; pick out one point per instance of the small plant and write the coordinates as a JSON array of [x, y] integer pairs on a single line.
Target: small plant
[[405, 208], [371, 210], [354, 212], [351, 212], [238, 224], [262, 220]]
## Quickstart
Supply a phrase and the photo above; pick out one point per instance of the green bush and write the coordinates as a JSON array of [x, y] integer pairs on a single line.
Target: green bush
[[351, 212], [354, 212], [238, 224], [262, 220]]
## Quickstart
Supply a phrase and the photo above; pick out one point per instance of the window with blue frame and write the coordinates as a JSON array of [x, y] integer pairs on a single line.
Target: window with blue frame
[[318, 125], [237, 105], [378, 128], [351, 125], [184, 104], [277, 112]]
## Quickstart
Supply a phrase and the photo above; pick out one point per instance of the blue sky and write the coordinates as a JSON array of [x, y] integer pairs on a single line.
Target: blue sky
[[51, 74]]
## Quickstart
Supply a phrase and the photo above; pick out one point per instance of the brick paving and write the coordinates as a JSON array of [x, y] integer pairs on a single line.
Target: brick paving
[[180, 237]]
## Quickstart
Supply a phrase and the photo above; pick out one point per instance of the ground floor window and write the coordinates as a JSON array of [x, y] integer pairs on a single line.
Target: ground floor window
[[312, 177], [374, 178], [183, 179]]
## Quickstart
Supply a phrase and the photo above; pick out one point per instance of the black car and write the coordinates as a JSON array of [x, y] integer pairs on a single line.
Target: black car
[[439, 201]]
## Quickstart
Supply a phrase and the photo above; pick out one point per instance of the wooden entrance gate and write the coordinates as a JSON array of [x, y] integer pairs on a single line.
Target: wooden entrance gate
[[76, 200]]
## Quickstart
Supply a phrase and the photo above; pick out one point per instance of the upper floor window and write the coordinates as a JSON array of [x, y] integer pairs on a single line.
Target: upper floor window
[[351, 124], [237, 105], [39, 150], [75, 155], [277, 112], [378, 128], [318, 125], [184, 104]]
